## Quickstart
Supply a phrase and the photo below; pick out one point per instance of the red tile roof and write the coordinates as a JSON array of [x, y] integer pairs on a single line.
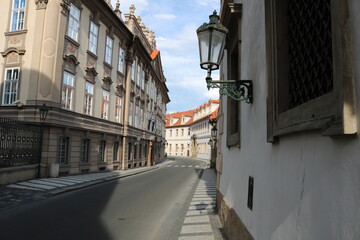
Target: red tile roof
[[154, 53]]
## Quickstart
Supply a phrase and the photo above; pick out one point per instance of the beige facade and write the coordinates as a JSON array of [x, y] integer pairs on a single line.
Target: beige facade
[[99, 73]]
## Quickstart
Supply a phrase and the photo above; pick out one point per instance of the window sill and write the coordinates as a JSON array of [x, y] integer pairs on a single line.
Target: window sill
[[73, 41], [92, 54]]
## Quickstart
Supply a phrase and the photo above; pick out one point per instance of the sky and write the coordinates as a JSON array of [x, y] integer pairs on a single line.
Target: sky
[[174, 23]]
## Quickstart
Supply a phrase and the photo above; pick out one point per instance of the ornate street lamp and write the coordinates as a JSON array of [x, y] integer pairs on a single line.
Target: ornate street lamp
[[212, 39], [43, 114], [214, 132]]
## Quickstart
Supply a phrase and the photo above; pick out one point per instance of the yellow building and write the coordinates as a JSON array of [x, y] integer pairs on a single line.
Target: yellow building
[[99, 74]]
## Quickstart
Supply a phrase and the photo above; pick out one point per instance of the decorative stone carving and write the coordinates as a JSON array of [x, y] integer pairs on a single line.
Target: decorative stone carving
[[120, 90], [65, 6], [41, 4], [107, 71], [70, 63], [13, 58], [106, 83], [90, 75], [90, 61], [129, 57]]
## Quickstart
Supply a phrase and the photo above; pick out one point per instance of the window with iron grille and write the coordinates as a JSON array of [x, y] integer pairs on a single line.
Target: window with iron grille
[[63, 150], [310, 50], [84, 151], [310, 75], [102, 151]]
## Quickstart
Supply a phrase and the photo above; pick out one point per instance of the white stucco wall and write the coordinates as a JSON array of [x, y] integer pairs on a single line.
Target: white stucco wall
[[306, 186]]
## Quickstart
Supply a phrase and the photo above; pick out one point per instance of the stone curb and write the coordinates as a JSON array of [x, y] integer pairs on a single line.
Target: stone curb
[[95, 182]]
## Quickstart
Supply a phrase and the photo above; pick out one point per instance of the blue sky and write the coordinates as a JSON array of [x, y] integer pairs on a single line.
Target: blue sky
[[174, 23]]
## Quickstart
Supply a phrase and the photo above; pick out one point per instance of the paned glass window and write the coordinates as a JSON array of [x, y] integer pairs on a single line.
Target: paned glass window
[[131, 113], [102, 150], [136, 116], [121, 60], [63, 150], [10, 89], [116, 152], [84, 151], [89, 98], [74, 22], [93, 37], [118, 109], [105, 105], [138, 78], [18, 15], [67, 91], [141, 119], [108, 50], [143, 81], [133, 70]]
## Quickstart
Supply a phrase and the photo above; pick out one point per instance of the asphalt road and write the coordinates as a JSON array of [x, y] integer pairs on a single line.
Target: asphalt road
[[148, 206]]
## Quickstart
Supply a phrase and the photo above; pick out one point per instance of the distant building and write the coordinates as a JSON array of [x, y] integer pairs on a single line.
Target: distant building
[[188, 133], [99, 73]]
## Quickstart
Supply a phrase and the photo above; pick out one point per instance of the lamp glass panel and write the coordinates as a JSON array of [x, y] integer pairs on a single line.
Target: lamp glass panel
[[204, 47], [218, 43]]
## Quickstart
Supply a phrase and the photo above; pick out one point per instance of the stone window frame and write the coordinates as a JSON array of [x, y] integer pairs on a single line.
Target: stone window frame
[[232, 18], [102, 151], [97, 37], [77, 7], [89, 96], [85, 153], [24, 9], [11, 81], [60, 150], [106, 49], [332, 113]]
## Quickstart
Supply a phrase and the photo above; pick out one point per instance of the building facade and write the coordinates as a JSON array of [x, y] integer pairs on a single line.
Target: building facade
[[99, 73], [288, 164], [188, 133]]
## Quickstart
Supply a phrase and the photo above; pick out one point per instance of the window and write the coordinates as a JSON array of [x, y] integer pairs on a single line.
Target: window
[[118, 109], [121, 60], [18, 15], [138, 78], [170, 133], [108, 50], [131, 110], [89, 98], [182, 132], [307, 68], [73, 25], [140, 151], [143, 81], [63, 150], [67, 91], [189, 132], [116, 152], [136, 115], [129, 151], [105, 105], [133, 70], [141, 119], [93, 37], [10, 89], [102, 151], [84, 151], [177, 132]]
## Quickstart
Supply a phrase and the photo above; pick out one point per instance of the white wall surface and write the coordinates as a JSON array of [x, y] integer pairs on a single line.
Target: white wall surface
[[306, 186]]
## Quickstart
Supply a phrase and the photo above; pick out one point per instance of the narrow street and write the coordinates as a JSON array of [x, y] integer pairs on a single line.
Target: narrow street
[[147, 206]]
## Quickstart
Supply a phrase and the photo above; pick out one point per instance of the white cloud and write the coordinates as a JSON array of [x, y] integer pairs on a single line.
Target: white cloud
[[210, 3], [213, 93], [165, 16]]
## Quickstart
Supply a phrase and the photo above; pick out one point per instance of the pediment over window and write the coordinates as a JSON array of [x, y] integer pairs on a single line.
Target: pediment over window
[[11, 50], [120, 90], [90, 75], [71, 59], [106, 83]]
